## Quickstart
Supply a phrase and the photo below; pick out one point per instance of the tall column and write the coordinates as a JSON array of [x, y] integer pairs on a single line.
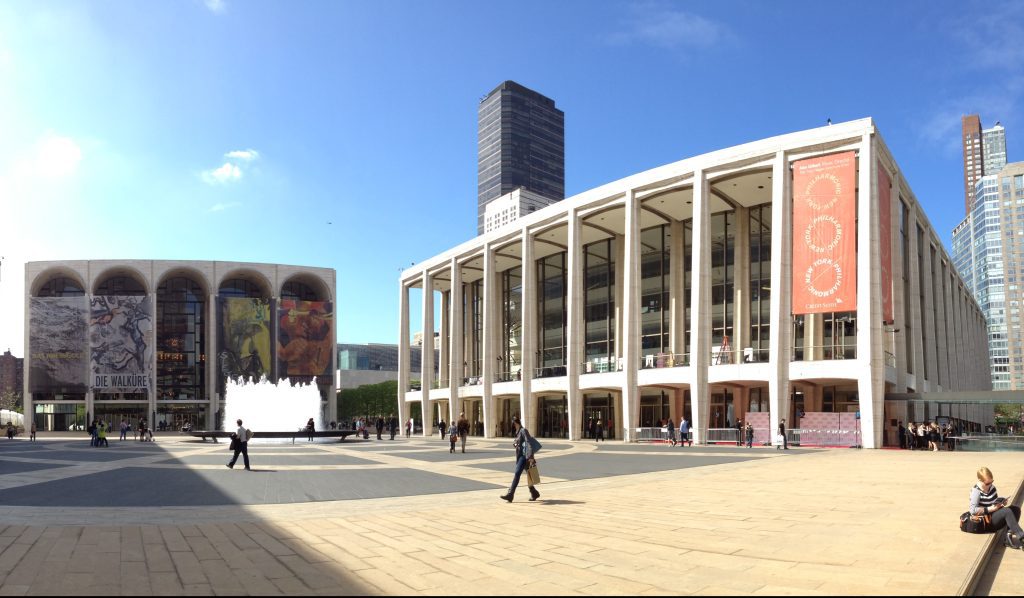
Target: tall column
[[445, 341], [151, 394], [741, 286], [212, 366], [455, 371], [700, 313], [488, 342], [780, 320], [574, 320], [941, 358], [677, 300], [900, 291], [619, 249], [915, 344], [631, 317], [426, 351], [871, 382], [404, 354], [528, 331]]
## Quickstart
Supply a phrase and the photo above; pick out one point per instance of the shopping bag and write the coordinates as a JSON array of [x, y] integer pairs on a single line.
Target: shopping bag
[[533, 474]]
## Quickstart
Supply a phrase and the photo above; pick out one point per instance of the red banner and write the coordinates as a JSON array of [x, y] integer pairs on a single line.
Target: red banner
[[825, 234], [885, 241]]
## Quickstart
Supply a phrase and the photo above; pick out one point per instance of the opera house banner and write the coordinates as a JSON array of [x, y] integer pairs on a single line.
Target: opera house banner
[[305, 342], [825, 234], [121, 343], [57, 344], [245, 341]]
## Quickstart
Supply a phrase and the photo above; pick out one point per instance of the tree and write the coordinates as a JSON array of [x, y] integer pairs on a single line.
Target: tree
[[10, 400], [372, 400]]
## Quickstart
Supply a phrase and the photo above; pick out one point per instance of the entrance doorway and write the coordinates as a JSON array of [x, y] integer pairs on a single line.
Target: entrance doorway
[[507, 408], [474, 410], [174, 417], [654, 408], [598, 408], [553, 417], [131, 413], [722, 415], [60, 417]]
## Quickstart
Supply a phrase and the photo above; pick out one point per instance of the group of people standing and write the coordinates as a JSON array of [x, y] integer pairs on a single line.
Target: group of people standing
[[927, 436]]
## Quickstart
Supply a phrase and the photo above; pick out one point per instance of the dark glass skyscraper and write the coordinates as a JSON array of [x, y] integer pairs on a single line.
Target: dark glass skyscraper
[[520, 143]]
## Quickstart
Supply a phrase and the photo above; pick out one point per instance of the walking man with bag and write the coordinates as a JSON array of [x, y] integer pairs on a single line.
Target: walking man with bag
[[782, 433], [240, 444], [525, 445], [463, 426]]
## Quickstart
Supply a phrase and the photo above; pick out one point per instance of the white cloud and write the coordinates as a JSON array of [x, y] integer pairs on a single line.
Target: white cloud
[[247, 155], [231, 170], [225, 206], [216, 6], [226, 173], [658, 24], [52, 157]]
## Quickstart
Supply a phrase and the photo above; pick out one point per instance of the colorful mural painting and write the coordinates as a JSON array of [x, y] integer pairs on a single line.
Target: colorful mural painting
[[305, 338], [57, 344], [245, 340], [121, 343]]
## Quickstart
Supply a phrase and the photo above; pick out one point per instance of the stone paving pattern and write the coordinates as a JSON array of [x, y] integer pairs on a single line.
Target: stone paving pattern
[[804, 522]]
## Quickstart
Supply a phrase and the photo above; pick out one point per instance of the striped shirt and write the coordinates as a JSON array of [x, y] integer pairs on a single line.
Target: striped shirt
[[980, 500]]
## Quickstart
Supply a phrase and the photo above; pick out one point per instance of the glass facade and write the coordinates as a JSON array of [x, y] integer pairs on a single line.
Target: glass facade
[[551, 311], [511, 357], [655, 312], [599, 306], [181, 340], [760, 282], [723, 266]]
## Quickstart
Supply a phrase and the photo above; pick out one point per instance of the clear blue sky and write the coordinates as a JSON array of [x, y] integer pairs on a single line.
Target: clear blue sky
[[231, 130]]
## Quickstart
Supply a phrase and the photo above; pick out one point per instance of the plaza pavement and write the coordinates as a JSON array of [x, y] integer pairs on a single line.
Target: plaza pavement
[[408, 518]]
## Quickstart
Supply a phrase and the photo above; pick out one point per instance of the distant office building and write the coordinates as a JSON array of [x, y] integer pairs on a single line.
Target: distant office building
[[973, 157], [11, 373], [520, 144], [372, 363], [993, 152], [509, 207]]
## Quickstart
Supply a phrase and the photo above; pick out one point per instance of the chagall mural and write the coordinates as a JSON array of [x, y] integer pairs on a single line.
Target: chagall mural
[[245, 339], [305, 339]]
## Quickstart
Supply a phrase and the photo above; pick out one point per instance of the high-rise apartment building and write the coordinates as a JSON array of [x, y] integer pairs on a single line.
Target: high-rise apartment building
[[984, 154], [993, 152], [11, 373], [520, 144], [973, 157], [988, 248]]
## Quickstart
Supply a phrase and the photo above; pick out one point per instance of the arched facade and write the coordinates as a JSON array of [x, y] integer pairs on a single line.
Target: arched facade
[[149, 339], [696, 290]]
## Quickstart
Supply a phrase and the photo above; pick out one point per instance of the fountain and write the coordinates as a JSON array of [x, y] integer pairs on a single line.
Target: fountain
[[267, 407]]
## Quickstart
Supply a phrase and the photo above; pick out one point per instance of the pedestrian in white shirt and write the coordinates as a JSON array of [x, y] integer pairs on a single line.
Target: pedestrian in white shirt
[[241, 445]]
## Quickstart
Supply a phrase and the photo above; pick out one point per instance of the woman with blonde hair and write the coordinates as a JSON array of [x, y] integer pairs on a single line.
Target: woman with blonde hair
[[985, 501]]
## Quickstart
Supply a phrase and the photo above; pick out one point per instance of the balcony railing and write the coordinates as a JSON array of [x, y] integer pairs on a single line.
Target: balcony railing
[[472, 380], [508, 376], [600, 365], [550, 371], [737, 356], [441, 383], [890, 359], [825, 352], [664, 360]]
